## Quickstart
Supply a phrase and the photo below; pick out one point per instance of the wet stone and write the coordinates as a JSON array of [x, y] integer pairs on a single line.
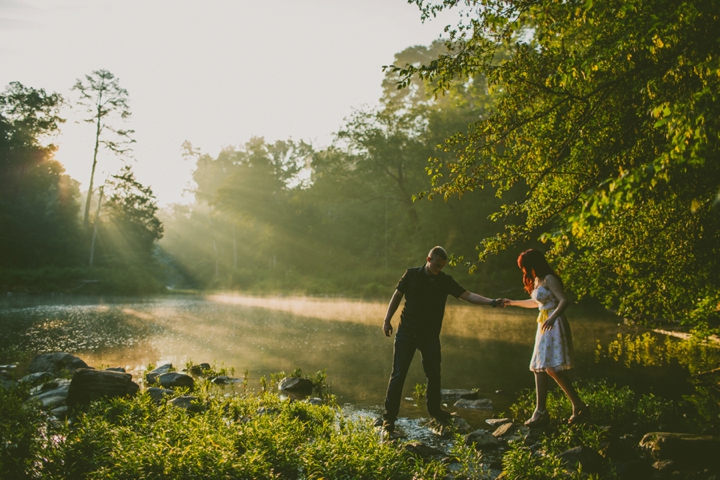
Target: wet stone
[[479, 404], [115, 369], [496, 422], [453, 395]]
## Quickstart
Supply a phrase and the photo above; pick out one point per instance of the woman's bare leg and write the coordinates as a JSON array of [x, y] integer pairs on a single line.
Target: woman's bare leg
[[541, 391], [562, 379]]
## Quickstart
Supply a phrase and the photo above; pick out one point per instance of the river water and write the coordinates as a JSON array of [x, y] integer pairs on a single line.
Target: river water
[[484, 348]]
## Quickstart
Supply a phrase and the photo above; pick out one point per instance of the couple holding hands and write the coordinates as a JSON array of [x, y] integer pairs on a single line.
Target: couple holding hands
[[426, 289]]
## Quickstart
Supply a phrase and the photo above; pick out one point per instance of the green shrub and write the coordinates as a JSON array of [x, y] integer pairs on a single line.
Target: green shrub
[[24, 436]]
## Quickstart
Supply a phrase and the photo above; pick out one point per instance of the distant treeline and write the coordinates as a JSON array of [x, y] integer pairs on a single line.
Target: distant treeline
[[285, 216]]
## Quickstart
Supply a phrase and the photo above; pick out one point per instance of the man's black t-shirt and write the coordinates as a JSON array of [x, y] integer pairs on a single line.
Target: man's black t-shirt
[[425, 297]]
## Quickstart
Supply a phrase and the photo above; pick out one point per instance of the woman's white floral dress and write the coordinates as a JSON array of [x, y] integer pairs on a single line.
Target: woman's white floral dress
[[553, 348]]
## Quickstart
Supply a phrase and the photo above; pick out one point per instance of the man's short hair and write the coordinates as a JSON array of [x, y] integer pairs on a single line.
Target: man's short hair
[[438, 251]]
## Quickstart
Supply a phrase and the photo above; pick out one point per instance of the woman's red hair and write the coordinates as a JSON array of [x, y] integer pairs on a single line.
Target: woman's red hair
[[533, 265]]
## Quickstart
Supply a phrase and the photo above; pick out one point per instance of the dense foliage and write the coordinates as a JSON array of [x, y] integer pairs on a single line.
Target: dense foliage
[[38, 202], [43, 246], [607, 114]]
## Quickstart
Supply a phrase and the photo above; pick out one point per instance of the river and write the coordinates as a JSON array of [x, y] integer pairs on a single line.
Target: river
[[484, 348]]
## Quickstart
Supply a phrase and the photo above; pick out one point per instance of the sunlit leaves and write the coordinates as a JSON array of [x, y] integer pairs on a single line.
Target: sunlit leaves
[[608, 116]]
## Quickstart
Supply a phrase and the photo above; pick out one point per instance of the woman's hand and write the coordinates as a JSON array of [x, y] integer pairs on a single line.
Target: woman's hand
[[548, 324]]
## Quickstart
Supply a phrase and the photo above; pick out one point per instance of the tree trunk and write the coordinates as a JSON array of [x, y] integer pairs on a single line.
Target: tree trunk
[[95, 226]]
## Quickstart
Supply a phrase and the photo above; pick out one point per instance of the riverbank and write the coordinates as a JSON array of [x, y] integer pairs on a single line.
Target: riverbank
[[180, 428]]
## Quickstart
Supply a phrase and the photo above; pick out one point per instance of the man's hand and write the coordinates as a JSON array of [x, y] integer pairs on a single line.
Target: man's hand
[[387, 328]]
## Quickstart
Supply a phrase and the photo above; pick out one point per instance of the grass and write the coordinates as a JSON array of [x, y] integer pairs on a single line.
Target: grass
[[251, 435]]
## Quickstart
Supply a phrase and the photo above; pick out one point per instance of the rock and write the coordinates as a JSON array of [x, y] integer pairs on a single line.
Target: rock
[[460, 425], [56, 363], [453, 395], [587, 458], [455, 424], [152, 376], [480, 404], [7, 368], [301, 386], [52, 402], [423, 451], [663, 465], [187, 402], [175, 379], [496, 422], [87, 385], [633, 469], [221, 380], [115, 369], [59, 412], [510, 432], [37, 378], [157, 394], [51, 385], [54, 396], [482, 439], [315, 401], [198, 369], [685, 448]]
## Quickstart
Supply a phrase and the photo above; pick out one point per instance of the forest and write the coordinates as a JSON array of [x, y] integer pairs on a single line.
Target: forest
[[588, 130]]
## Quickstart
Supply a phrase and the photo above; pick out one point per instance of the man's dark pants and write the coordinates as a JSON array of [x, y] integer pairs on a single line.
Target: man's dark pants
[[403, 352]]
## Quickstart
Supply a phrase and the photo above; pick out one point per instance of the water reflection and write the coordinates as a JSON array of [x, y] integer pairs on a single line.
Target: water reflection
[[482, 348]]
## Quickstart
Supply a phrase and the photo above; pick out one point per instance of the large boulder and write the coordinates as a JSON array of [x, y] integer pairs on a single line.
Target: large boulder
[[55, 363], [175, 379], [683, 448], [88, 385]]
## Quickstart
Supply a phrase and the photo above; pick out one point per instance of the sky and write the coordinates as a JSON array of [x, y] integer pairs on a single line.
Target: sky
[[212, 72]]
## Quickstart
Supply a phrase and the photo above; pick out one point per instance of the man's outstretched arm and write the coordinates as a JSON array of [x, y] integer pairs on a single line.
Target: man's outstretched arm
[[392, 308], [476, 299]]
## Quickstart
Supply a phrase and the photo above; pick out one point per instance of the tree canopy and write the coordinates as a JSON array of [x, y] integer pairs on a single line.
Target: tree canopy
[[607, 117]]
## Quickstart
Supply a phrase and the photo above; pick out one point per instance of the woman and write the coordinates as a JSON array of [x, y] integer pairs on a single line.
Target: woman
[[553, 352]]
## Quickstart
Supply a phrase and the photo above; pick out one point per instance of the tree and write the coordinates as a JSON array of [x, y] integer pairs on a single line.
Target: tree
[[131, 211], [608, 118], [38, 201], [103, 98]]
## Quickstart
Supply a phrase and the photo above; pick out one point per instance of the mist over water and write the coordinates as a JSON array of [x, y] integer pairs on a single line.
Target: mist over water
[[483, 348]]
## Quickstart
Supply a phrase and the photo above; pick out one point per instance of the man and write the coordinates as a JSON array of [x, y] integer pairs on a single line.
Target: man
[[425, 290]]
